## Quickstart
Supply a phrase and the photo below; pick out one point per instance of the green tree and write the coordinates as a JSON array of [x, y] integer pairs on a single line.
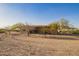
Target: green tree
[[17, 25], [23, 28], [65, 27], [54, 27], [64, 24]]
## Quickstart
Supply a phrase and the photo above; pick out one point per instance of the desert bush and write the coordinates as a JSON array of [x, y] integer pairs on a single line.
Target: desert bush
[[66, 32], [20, 27], [75, 32], [44, 30], [2, 31]]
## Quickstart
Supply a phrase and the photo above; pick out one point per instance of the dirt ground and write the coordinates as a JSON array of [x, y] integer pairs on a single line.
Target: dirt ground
[[20, 45]]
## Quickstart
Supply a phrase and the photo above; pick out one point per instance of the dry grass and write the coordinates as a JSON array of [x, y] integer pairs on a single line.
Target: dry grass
[[20, 45]]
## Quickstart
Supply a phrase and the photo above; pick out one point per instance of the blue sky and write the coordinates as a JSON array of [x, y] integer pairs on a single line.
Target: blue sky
[[38, 14]]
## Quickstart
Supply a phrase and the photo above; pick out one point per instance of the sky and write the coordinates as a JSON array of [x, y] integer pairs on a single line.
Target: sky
[[38, 13]]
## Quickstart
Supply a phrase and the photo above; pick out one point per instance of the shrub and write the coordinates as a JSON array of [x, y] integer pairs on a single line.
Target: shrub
[[75, 32], [2, 31]]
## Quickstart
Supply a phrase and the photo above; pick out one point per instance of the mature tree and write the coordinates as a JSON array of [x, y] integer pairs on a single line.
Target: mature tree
[[54, 27], [64, 24], [65, 27], [61, 26]]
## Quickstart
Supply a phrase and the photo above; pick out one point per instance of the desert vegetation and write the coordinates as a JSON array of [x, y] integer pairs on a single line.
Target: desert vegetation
[[62, 26], [59, 27], [57, 38]]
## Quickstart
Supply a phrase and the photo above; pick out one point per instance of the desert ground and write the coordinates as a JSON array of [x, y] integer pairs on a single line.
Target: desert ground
[[37, 45]]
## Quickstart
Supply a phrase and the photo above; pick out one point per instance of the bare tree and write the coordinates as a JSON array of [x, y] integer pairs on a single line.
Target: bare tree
[[27, 26]]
